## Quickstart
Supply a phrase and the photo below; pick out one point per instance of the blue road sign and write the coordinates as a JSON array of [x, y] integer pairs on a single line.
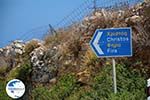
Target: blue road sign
[[114, 42]]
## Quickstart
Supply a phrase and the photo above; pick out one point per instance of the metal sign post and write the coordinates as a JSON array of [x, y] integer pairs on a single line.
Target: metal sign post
[[114, 75], [148, 89]]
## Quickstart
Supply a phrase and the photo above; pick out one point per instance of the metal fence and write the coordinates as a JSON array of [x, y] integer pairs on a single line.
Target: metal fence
[[76, 16]]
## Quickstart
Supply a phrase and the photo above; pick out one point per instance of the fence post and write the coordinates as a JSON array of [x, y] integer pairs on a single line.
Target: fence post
[[52, 30], [94, 5]]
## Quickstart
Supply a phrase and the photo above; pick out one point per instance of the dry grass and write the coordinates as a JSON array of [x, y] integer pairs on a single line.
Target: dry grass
[[31, 46]]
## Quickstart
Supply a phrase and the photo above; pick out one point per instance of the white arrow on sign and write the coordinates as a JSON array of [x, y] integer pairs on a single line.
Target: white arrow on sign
[[95, 43]]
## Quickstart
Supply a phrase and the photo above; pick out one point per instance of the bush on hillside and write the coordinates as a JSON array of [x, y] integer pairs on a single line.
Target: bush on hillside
[[20, 72], [3, 94], [130, 86], [59, 91]]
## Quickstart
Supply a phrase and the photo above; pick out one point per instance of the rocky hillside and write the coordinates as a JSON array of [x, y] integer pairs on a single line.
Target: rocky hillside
[[62, 64]]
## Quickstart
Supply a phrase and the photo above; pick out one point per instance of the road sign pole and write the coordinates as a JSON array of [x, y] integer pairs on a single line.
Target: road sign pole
[[114, 75], [148, 89]]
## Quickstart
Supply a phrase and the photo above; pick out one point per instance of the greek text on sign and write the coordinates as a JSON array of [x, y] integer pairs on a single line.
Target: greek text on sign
[[115, 42]]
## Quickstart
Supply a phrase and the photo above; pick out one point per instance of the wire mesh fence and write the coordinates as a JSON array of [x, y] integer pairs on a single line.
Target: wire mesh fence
[[76, 16]]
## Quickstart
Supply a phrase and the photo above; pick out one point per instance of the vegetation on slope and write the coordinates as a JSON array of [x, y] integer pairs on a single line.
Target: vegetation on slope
[[80, 75], [131, 86]]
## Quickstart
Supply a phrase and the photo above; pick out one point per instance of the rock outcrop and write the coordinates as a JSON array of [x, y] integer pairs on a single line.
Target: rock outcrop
[[44, 64], [16, 47]]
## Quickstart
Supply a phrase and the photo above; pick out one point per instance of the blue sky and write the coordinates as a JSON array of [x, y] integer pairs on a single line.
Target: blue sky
[[19, 16]]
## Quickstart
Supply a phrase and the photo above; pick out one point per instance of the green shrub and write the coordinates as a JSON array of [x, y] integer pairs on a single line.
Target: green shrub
[[60, 91], [20, 72], [3, 69], [40, 93], [65, 86], [130, 85], [3, 94], [25, 71], [81, 93]]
